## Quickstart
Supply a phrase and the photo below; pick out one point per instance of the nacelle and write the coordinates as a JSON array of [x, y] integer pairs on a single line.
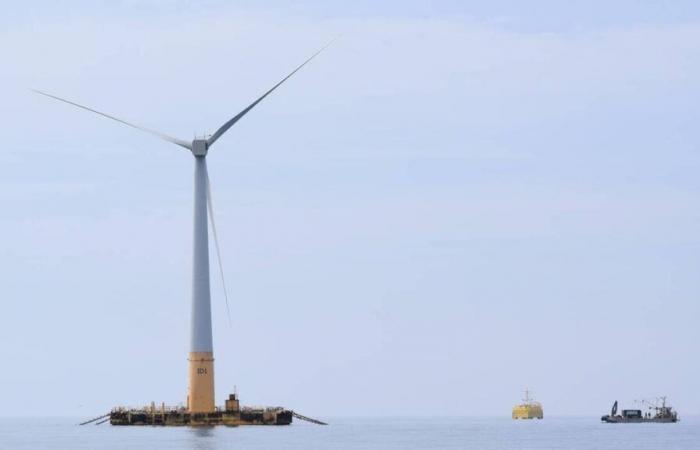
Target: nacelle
[[199, 147]]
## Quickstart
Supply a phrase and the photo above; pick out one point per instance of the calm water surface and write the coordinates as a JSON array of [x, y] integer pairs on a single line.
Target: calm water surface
[[362, 433]]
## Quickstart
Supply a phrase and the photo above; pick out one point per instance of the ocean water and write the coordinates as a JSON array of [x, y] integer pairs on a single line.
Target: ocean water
[[361, 433]]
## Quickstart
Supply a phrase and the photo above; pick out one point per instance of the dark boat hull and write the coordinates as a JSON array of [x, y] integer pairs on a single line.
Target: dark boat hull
[[619, 419]]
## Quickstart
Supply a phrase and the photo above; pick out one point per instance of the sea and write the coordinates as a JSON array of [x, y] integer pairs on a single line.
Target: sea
[[571, 433]]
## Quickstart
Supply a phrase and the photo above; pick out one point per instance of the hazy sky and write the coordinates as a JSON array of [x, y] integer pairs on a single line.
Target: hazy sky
[[457, 200]]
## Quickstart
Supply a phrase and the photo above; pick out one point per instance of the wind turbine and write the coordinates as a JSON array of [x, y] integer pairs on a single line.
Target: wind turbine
[[200, 395]]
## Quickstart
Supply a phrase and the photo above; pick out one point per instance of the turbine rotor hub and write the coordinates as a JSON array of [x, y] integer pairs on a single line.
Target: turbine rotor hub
[[200, 147]]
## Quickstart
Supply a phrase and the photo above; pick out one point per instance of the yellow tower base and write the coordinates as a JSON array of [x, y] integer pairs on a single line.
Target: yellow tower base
[[200, 393]]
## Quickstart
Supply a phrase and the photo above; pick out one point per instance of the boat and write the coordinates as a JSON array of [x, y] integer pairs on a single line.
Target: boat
[[658, 412], [529, 409]]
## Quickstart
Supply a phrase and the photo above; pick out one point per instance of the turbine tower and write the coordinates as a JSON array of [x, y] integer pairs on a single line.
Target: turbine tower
[[200, 395]]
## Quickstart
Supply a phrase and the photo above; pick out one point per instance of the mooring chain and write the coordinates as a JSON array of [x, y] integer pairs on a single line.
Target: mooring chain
[[308, 419], [95, 419]]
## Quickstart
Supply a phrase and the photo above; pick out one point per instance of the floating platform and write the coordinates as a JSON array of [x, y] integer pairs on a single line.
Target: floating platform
[[529, 409], [182, 417], [231, 415]]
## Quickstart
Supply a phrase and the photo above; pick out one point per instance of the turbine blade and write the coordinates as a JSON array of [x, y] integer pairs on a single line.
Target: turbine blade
[[213, 138], [210, 208], [164, 136]]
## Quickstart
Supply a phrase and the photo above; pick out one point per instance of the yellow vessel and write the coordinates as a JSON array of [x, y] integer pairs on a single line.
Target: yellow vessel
[[529, 409]]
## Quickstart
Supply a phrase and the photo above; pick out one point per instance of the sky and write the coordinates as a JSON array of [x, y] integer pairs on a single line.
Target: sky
[[457, 200]]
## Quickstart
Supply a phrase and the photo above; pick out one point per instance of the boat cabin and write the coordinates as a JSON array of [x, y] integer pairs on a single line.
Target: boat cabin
[[632, 413]]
